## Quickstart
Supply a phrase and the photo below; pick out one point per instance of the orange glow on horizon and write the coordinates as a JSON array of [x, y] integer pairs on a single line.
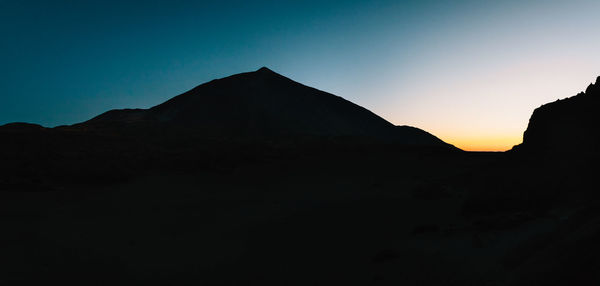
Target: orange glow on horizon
[[493, 144]]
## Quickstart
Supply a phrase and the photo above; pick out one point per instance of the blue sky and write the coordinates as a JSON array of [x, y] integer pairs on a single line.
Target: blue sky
[[470, 72]]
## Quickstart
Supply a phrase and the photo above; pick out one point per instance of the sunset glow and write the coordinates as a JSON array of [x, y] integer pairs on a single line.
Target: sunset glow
[[469, 72], [480, 143]]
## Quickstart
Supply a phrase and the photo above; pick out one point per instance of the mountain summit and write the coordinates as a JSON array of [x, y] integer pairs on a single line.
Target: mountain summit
[[265, 104]]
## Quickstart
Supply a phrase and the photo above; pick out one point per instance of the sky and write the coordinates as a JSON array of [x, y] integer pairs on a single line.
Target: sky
[[469, 72]]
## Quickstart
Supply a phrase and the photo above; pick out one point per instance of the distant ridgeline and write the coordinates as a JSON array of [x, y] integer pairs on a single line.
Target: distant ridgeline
[[566, 126]]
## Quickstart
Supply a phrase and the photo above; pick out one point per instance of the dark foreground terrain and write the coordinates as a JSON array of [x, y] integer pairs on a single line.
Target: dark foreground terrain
[[353, 217], [131, 198]]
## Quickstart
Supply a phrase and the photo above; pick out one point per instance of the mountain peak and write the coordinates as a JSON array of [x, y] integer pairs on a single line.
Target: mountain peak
[[265, 70]]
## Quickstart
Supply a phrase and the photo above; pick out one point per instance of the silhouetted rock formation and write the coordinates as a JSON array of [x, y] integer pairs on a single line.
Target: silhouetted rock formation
[[264, 104], [566, 126]]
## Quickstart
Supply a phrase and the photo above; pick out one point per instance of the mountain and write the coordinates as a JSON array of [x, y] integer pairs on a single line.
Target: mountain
[[264, 104], [566, 126], [216, 126]]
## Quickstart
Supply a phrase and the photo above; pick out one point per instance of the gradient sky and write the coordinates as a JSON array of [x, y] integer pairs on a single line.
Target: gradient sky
[[470, 72]]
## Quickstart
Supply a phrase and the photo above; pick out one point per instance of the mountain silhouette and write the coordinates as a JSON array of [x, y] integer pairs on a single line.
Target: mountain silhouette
[[255, 179], [566, 126], [264, 104], [215, 126]]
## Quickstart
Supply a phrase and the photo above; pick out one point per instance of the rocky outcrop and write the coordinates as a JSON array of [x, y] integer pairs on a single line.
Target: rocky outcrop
[[566, 126]]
